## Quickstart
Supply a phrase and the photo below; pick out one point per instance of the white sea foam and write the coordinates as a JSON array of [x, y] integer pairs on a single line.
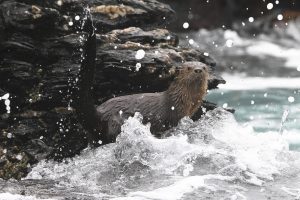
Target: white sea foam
[[292, 136], [263, 47], [241, 82], [9, 196], [214, 148], [266, 48], [178, 189]]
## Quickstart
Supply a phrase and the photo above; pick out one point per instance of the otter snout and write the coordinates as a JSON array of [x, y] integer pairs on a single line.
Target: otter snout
[[200, 69], [197, 67]]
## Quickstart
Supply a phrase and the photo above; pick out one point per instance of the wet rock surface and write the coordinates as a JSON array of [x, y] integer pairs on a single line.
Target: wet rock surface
[[41, 44]]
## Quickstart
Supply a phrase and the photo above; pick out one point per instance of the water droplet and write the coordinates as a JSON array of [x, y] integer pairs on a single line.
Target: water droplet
[[191, 41], [9, 135], [70, 23], [269, 6], [172, 108], [280, 17], [19, 157], [251, 19], [59, 2], [206, 54], [252, 102], [225, 105], [7, 102], [140, 54], [185, 25], [138, 66], [6, 96], [229, 43], [77, 17], [291, 99]]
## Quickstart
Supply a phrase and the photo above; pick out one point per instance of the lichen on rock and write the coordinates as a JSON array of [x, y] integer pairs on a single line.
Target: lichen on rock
[[116, 11]]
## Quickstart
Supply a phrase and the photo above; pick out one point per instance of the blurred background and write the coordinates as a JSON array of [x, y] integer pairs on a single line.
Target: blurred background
[[212, 14], [256, 44]]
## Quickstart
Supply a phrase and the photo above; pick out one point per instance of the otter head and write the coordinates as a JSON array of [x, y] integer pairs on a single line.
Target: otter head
[[189, 87], [193, 76]]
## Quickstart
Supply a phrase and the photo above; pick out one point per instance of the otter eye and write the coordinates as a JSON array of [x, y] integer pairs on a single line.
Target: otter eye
[[189, 68], [198, 70]]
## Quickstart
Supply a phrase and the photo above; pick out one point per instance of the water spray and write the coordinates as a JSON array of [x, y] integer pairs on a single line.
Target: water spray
[[6, 102], [283, 120]]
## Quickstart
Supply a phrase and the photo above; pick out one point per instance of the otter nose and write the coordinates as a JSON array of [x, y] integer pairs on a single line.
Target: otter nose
[[198, 70]]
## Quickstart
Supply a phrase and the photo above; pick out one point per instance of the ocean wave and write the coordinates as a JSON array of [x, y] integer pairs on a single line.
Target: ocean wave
[[242, 82], [9, 196], [207, 154]]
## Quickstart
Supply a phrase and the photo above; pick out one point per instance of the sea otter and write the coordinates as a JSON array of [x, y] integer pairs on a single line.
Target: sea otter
[[163, 109]]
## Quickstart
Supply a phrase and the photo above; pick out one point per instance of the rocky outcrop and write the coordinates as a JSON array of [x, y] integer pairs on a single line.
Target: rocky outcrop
[[41, 44]]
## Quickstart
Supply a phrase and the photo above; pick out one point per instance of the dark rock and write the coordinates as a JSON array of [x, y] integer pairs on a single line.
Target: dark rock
[[26, 17], [109, 15], [42, 16], [2, 162], [38, 149], [137, 35], [28, 128], [2, 92], [14, 163], [20, 47]]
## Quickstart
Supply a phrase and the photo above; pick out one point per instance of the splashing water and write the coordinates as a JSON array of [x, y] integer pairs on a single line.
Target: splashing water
[[214, 157], [283, 119], [6, 102]]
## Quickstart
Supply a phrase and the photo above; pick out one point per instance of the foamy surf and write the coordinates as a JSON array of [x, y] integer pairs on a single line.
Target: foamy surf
[[242, 82], [9, 196], [265, 46], [178, 189], [207, 157]]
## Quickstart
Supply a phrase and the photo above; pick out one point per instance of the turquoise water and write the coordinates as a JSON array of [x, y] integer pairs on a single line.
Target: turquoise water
[[263, 109]]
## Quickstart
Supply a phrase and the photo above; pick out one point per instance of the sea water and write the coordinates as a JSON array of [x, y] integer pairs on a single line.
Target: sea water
[[264, 109], [212, 158]]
